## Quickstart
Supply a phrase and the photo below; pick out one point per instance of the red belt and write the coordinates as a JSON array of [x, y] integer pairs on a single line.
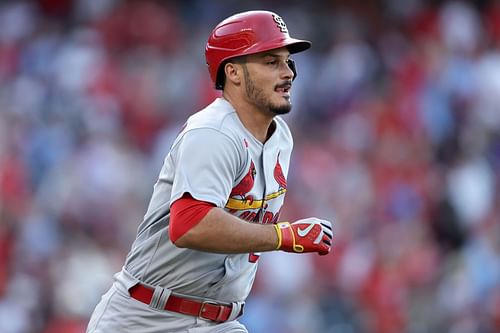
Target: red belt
[[205, 309]]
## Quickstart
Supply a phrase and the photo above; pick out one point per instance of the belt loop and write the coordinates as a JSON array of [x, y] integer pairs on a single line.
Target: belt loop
[[236, 311], [160, 297]]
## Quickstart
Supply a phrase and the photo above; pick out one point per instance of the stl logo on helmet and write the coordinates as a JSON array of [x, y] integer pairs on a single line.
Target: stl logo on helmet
[[281, 24]]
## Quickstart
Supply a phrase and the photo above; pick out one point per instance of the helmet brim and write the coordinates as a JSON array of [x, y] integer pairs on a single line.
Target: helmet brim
[[298, 45], [293, 45]]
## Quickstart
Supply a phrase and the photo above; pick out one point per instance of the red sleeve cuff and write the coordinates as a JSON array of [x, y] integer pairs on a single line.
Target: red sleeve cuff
[[185, 213]]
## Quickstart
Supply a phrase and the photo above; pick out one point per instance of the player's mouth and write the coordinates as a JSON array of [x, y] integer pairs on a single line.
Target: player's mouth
[[284, 89]]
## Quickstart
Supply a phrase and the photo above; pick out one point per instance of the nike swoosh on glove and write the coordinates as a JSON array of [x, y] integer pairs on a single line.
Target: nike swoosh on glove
[[306, 235]]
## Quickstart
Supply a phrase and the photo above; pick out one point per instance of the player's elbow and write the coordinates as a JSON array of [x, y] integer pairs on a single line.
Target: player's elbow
[[179, 242], [185, 215], [181, 237], [187, 240]]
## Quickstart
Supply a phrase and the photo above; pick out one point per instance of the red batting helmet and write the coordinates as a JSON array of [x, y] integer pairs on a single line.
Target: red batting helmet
[[247, 33]]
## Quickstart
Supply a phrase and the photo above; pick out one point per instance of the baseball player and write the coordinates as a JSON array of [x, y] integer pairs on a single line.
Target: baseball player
[[217, 201]]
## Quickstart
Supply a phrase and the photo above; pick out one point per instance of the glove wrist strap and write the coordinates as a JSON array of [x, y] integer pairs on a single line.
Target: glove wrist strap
[[286, 238], [278, 227]]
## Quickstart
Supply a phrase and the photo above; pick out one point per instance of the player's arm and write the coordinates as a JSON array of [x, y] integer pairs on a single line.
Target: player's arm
[[208, 161], [201, 226], [221, 232]]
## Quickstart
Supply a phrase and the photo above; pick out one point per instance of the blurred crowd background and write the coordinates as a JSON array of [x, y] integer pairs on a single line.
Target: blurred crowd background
[[396, 121]]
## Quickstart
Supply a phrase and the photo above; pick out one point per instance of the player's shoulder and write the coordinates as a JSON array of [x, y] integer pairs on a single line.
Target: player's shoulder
[[215, 124], [219, 115]]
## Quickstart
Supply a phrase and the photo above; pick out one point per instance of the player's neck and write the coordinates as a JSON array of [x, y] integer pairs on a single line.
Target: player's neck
[[255, 120]]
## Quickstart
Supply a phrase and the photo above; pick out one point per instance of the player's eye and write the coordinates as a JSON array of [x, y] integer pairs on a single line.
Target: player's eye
[[272, 62]]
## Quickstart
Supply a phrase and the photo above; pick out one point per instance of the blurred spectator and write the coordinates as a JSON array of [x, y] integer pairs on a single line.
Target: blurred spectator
[[397, 133]]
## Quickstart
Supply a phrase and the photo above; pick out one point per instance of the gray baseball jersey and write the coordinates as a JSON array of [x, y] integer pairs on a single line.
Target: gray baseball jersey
[[215, 159]]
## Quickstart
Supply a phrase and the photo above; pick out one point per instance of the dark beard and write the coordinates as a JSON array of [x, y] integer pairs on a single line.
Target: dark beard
[[283, 109], [256, 95]]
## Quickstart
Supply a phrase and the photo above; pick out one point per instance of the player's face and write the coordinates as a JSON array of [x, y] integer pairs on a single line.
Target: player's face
[[268, 80]]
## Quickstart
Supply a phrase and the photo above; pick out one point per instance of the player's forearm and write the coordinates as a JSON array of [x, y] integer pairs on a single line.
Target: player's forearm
[[221, 232]]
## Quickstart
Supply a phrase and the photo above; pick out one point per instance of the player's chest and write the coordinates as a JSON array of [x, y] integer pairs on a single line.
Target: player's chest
[[258, 194]]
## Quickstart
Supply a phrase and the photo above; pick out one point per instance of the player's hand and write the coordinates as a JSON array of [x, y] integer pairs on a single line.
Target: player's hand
[[307, 235]]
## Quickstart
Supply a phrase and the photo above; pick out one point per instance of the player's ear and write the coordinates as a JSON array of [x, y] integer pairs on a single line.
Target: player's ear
[[233, 72]]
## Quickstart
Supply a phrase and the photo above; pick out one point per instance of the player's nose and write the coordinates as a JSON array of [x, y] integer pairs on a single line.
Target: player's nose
[[287, 72]]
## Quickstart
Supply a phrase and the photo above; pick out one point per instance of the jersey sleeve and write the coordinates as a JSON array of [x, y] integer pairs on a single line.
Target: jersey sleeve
[[185, 214], [206, 162]]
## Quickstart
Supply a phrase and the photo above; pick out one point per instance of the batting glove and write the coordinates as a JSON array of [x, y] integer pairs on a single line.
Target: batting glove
[[307, 235]]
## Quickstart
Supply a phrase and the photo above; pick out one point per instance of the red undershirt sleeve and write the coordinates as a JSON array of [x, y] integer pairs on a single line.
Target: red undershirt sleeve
[[185, 213]]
